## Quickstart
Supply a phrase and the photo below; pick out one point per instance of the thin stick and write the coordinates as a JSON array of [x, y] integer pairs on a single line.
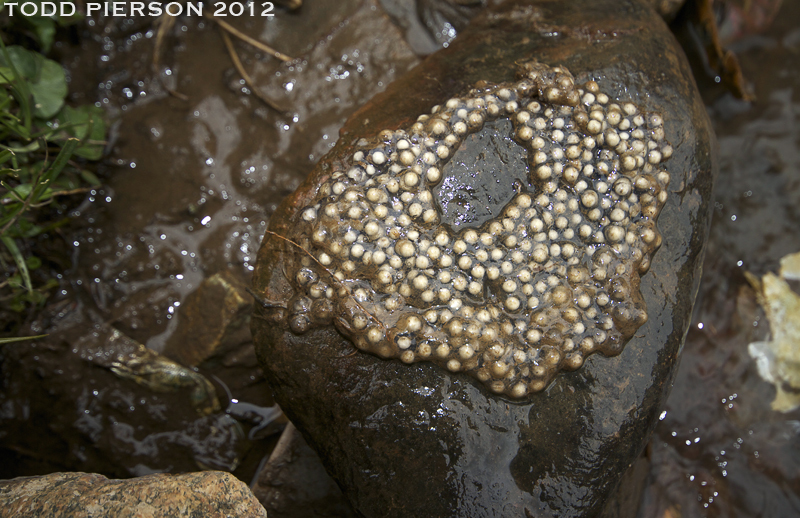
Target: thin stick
[[165, 23], [60, 193], [247, 39], [337, 281], [264, 302], [247, 79]]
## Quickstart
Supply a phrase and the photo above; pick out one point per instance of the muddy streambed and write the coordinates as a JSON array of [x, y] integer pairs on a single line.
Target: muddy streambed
[[190, 182]]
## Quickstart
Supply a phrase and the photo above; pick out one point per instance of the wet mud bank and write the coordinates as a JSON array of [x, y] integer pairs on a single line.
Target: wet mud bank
[[721, 450]]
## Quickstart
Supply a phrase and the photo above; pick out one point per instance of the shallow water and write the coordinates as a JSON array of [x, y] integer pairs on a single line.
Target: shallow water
[[190, 185], [190, 181]]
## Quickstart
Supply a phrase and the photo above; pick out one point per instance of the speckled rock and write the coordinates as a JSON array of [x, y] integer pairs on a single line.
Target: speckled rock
[[470, 386], [211, 494]]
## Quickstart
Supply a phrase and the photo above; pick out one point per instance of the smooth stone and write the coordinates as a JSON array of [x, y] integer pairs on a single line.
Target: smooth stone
[[213, 320], [293, 482], [416, 440], [213, 494]]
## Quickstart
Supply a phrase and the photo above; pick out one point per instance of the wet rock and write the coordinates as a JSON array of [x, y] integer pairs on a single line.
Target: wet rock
[[508, 412], [212, 494], [100, 401], [213, 320], [294, 482], [133, 361]]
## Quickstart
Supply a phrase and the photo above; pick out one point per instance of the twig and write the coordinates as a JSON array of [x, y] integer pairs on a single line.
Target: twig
[[61, 193], [722, 60], [264, 302], [247, 79], [247, 39], [165, 23]]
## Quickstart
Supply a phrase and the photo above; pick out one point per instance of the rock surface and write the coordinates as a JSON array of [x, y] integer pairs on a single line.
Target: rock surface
[[210, 494], [294, 482], [212, 321], [413, 440]]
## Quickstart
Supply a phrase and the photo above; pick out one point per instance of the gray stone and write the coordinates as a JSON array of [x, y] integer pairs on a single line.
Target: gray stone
[[419, 440]]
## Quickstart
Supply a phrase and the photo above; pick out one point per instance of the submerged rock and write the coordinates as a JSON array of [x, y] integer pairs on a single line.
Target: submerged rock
[[98, 400], [433, 293], [211, 494]]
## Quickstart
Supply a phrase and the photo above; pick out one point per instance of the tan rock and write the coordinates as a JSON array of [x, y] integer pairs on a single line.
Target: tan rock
[[210, 494]]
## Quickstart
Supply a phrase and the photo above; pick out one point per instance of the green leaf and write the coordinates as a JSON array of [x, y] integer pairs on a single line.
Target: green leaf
[[86, 123], [90, 178], [19, 192], [23, 60], [6, 75], [33, 146], [27, 229], [14, 339], [58, 164], [20, 89], [6, 155], [15, 281], [10, 212], [17, 304], [49, 90], [47, 81], [33, 262], [45, 30]]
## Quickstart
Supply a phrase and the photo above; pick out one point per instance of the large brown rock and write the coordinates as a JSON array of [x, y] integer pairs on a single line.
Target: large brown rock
[[212, 494], [507, 412]]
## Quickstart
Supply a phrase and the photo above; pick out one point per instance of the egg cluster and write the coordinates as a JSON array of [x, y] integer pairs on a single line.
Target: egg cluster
[[551, 279]]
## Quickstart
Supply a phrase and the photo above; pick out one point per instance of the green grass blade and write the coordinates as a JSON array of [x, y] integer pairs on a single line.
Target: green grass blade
[[58, 164], [19, 339], [19, 260], [20, 88], [5, 155]]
